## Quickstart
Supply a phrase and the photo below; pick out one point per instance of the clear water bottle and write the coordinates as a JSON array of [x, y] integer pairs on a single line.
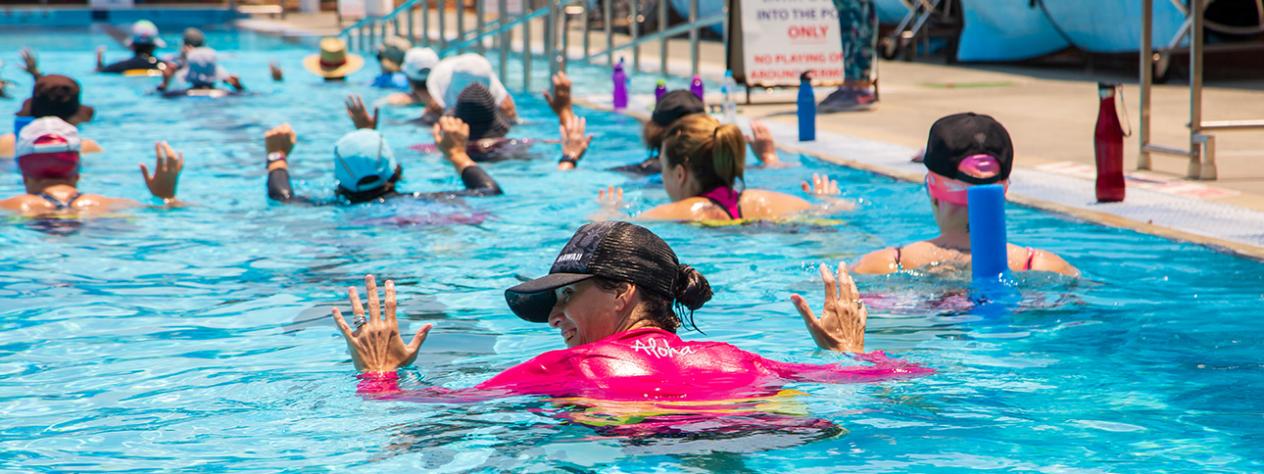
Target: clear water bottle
[[729, 106]]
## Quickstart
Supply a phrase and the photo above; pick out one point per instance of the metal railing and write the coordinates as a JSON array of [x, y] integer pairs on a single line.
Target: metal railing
[[1201, 150], [554, 17]]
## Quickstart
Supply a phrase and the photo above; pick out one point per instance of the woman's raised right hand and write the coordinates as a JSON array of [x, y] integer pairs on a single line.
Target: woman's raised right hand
[[376, 344]]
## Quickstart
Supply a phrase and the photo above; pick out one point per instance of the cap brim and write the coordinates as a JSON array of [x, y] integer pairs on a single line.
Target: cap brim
[[534, 299]]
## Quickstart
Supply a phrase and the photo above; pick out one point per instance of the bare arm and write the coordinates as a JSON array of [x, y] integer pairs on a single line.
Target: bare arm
[[878, 262], [560, 99]]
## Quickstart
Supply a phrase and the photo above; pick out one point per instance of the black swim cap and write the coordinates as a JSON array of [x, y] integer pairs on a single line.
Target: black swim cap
[[674, 105]]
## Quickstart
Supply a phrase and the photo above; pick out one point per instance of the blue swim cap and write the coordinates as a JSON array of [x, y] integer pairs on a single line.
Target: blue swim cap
[[363, 160]]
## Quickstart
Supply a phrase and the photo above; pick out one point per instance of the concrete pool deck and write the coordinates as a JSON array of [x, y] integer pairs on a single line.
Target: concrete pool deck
[[1050, 113]]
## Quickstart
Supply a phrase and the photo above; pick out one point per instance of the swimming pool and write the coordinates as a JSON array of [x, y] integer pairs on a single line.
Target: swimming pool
[[199, 338]]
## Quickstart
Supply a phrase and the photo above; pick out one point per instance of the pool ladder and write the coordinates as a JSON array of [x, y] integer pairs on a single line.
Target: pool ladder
[[554, 17]]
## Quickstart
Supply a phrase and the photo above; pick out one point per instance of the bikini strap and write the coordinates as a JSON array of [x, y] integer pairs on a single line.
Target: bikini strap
[[899, 267], [1031, 257], [57, 204]]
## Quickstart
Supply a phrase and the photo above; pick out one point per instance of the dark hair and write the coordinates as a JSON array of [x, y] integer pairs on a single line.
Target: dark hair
[[371, 194], [144, 49], [714, 153], [691, 291]]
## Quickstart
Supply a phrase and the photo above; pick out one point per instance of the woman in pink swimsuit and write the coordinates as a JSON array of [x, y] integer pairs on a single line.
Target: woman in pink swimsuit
[[617, 294]]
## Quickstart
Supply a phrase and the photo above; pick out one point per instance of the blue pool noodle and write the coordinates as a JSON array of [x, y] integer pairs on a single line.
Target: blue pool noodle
[[989, 257]]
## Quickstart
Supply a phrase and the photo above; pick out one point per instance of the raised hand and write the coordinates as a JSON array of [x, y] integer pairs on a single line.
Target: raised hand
[[167, 166], [451, 135], [841, 327], [821, 185], [560, 99], [574, 141], [280, 139], [611, 197], [30, 63], [762, 145], [375, 343], [275, 71], [359, 115]]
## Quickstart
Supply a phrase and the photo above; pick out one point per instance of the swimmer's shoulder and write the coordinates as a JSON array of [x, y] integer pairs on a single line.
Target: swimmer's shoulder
[[6, 145], [763, 204], [689, 209], [877, 262], [1046, 261]]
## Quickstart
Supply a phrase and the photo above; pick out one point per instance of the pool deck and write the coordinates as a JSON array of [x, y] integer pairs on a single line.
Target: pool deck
[[1050, 114]]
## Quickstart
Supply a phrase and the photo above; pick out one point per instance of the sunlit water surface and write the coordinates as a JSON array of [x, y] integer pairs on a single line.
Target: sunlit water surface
[[199, 337]]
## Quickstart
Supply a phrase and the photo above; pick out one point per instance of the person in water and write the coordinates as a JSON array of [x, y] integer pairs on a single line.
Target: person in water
[[669, 109], [144, 42], [963, 150], [192, 39], [200, 74], [366, 169], [418, 62], [53, 95], [452, 76], [703, 162], [617, 294], [48, 156], [333, 63], [390, 56]]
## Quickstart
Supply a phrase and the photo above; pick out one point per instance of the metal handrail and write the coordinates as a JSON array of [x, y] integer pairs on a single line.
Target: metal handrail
[[662, 34], [369, 32]]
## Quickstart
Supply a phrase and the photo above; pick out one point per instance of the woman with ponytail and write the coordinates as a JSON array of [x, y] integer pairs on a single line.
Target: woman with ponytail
[[703, 163], [617, 295]]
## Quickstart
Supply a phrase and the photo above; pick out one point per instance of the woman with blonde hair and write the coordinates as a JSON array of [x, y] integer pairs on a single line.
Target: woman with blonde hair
[[703, 164]]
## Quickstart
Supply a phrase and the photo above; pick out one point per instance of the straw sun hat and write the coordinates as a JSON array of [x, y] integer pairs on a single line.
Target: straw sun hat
[[333, 61]]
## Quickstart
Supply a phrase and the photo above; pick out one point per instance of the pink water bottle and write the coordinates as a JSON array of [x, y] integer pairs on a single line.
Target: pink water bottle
[[696, 87], [620, 79], [1108, 145]]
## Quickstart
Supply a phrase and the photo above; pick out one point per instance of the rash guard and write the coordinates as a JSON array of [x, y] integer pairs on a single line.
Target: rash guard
[[650, 364]]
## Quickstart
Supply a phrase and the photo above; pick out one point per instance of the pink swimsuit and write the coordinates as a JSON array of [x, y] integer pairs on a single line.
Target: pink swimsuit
[[649, 364]]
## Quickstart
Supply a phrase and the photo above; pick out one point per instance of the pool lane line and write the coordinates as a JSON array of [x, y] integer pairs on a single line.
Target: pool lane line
[[906, 170]]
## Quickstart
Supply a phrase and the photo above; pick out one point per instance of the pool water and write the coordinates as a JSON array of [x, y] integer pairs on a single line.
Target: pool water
[[199, 338]]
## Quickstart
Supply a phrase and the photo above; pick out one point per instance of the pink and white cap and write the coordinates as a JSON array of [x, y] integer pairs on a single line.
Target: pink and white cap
[[47, 135]]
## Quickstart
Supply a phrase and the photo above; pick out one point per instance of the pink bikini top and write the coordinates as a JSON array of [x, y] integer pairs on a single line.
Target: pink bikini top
[[727, 198]]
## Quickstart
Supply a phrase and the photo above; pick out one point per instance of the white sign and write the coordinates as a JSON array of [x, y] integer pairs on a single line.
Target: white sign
[[783, 38], [351, 9]]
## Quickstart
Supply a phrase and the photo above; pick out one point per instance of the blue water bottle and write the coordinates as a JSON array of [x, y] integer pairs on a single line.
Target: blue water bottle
[[620, 79], [989, 253], [807, 109]]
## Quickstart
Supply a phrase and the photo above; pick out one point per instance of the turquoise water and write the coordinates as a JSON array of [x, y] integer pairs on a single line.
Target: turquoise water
[[198, 338]]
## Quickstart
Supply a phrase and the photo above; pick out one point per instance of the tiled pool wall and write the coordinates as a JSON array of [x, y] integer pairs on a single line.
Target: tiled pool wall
[[32, 16]]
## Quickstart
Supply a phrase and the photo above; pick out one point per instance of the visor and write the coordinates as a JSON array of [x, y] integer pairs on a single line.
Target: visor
[[534, 300]]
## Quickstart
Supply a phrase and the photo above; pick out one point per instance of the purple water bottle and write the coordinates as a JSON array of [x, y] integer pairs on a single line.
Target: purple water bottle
[[620, 86], [696, 87], [660, 90]]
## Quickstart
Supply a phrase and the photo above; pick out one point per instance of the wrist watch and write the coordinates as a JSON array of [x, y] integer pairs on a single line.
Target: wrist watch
[[573, 160], [275, 157]]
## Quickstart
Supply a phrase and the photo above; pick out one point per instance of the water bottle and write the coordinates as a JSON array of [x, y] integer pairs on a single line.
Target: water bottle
[[620, 79], [807, 109], [696, 88], [1108, 145], [660, 90], [729, 105]]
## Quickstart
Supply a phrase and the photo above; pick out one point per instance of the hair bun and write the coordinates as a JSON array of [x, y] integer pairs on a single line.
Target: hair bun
[[692, 289]]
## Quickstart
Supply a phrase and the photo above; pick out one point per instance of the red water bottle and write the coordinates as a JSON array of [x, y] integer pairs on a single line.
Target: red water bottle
[[1108, 144]]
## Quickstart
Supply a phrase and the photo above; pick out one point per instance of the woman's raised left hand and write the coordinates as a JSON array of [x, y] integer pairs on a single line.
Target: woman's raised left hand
[[841, 327], [376, 344]]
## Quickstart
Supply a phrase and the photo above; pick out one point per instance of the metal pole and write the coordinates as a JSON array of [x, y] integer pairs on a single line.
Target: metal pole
[[1147, 78], [395, 24], [460, 21], [662, 42], [725, 33], [412, 37], [425, 22], [607, 15], [566, 44], [587, 33], [693, 37], [443, 22], [526, 54], [1196, 138], [504, 42], [479, 23], [550, 42], [634, 29]]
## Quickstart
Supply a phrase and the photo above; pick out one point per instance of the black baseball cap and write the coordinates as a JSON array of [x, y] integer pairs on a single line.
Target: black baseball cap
[[959, 136], [674, 105], [615, 250]]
